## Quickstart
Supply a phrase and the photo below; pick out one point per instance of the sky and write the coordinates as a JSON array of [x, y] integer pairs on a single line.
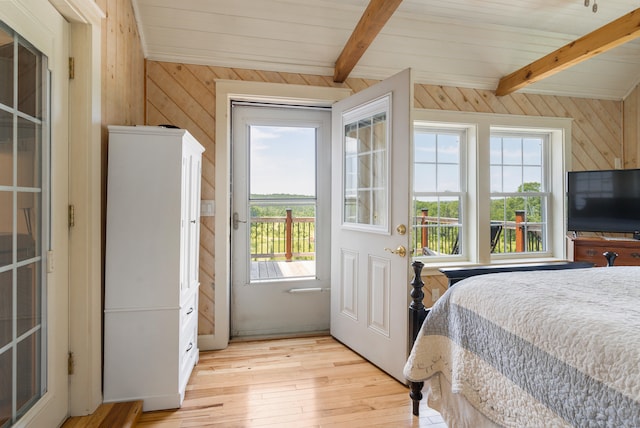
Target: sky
[[282, 160]]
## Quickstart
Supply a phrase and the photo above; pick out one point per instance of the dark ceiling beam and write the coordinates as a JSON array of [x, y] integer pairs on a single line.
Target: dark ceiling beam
[[373, 19], [605, 38]]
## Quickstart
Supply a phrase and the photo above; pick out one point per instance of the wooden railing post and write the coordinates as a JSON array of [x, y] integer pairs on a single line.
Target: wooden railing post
[[288, 254], [520, 218], [425, 231]]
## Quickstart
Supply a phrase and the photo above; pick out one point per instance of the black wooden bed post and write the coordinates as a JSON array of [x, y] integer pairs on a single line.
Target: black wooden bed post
[[417, 314]]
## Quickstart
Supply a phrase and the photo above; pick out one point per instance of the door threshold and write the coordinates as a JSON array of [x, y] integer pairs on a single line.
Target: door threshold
[[279, 336]]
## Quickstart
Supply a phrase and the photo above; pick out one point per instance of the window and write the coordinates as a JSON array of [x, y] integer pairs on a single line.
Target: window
[[488, 187], [519, 197], [438, 190]]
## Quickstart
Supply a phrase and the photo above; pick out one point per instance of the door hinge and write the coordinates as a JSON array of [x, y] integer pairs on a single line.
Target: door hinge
[[72, 216], [72, 67], [70, 363]]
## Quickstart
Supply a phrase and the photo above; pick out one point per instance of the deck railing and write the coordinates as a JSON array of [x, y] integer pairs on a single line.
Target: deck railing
[[288, 238], [285, 238], [506, 236]]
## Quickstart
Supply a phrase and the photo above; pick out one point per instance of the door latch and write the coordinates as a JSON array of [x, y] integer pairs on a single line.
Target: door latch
[[236, 220]]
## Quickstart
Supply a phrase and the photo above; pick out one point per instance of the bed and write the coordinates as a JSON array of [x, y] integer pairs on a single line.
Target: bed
[[538, 348]]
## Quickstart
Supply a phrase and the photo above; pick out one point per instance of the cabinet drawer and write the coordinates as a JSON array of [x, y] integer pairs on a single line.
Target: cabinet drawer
[[189, 311], [188, 356]]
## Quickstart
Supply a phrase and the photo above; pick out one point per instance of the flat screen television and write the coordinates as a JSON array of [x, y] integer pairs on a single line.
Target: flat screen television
[[604, 201]]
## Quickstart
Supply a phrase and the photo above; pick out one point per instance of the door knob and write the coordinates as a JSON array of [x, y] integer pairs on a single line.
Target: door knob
[[401, 229], [401, 251]]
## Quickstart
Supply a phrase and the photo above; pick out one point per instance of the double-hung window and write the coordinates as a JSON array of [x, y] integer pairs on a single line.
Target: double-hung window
[[438, 190], [488, 187], [519, 191]]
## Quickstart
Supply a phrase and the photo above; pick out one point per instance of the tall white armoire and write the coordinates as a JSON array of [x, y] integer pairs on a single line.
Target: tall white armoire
[[151, 268]]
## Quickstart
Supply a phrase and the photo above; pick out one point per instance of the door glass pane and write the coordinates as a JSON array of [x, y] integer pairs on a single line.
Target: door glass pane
[[6, 312], [283, 161], [6, 148], [29, 163], [365, 163], [6, 369], [6, 228], [28, 372], [6, 68], [28, 298], [29, 82], [282, 241], [282, 187]]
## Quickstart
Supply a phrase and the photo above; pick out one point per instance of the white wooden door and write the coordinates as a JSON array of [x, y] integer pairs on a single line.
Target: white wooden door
[[372, 141], [280, 197]]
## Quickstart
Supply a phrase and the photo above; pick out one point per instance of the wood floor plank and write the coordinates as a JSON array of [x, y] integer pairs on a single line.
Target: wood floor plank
[[299, 382]]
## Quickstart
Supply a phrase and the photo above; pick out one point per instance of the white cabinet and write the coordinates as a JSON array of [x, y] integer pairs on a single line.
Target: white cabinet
[[151, 267]]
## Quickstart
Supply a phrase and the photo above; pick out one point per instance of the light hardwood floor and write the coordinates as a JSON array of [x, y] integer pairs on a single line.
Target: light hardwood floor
[[301, 382]]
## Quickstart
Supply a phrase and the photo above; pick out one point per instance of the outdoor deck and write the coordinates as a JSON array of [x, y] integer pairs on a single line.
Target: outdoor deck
[[262, 270]]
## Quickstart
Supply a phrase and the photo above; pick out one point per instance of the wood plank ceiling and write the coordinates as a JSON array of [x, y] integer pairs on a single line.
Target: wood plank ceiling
[[462, 43]]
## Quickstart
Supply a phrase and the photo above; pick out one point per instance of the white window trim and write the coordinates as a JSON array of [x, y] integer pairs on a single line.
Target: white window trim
[[480, 126]]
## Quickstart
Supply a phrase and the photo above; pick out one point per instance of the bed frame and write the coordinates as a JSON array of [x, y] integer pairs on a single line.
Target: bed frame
[[418, 312]]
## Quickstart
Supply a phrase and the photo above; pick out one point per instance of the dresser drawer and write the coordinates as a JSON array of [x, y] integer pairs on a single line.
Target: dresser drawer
[[592, 250]]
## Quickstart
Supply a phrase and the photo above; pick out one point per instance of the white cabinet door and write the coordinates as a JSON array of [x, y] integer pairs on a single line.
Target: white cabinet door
[[372, 140]]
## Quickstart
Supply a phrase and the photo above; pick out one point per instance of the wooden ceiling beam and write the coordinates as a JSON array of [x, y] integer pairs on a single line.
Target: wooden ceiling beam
[[607, 37], [373, 19]]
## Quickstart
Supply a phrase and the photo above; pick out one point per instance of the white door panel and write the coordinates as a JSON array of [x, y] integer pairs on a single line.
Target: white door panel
[[371, 141]]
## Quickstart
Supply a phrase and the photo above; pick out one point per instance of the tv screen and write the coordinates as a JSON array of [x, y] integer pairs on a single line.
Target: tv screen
[[604, 201]]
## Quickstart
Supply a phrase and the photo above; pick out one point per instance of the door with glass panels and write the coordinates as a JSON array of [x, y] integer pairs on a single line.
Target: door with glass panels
[[280, 220], [33, 383], [372, 142], [22, 136]]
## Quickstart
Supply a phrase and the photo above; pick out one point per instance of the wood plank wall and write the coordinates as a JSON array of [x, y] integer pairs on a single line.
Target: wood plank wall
[[184, 95], [632, 129], [123, 76]]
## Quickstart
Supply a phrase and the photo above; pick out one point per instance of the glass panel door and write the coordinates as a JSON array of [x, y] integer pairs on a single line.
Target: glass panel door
[[22, 89], [280, 259]]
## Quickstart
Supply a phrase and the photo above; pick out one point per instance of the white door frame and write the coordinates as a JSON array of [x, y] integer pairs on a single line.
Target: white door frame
[[226, 91], [85, 193]]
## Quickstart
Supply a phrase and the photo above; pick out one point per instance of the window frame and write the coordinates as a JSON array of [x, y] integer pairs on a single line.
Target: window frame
[[476, 217], [462, 132], [545, 191]]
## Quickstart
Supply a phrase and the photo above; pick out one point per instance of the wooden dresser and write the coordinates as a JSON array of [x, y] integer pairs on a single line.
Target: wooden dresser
[[592, 249]]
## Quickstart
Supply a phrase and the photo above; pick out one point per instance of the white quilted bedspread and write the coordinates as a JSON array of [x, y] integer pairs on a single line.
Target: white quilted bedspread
[[542, 348]]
